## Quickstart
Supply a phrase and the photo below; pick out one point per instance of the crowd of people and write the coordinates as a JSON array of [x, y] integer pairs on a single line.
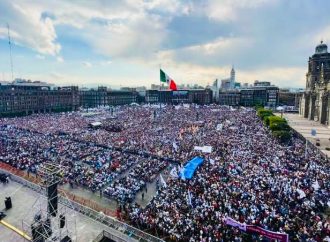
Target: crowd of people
[[248, 175]]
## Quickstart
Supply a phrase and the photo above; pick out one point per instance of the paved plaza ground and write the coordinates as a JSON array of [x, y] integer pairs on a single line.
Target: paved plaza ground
[[304, 127], [24, 202]]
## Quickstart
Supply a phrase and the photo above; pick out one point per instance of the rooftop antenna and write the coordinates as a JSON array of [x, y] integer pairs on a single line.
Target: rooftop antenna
[[11, 58]]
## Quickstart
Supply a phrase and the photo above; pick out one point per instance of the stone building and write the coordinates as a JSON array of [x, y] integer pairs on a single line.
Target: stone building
[[314, 103], [261, 93], [28, 98], [198, 96], [102, 97]]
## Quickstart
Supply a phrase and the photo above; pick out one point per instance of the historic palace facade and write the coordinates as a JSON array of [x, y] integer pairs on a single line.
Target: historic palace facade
[[314, 103]]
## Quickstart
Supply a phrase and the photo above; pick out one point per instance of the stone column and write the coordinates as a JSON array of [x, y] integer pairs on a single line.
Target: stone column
[[311, 112], [306, 98], [324, 108]]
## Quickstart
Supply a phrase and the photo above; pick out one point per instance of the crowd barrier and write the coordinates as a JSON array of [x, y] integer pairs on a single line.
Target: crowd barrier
[[81, 205], [309, 144], [130, 151]]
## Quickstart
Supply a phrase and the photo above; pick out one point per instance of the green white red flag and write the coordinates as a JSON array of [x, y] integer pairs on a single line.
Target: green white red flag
[[165, 78]]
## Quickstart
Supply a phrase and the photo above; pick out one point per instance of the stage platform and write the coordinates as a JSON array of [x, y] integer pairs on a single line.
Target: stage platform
[[23, 199]]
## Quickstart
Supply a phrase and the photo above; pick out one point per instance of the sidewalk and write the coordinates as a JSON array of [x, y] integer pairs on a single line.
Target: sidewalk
[[304, 127]]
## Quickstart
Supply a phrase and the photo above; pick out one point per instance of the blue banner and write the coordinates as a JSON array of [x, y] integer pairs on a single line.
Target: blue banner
[[189, 169]]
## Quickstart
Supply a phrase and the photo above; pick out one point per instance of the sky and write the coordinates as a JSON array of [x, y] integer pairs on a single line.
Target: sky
[[124, 42]]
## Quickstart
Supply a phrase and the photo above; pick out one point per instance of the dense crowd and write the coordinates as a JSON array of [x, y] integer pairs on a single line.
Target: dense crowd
[[249, 176]]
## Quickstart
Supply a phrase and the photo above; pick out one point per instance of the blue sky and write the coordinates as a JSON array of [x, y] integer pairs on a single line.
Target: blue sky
[[123, 42]]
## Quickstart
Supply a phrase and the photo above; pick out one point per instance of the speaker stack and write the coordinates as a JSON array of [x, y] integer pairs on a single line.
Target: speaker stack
[[8, 203], [62, 221], [66, 239]]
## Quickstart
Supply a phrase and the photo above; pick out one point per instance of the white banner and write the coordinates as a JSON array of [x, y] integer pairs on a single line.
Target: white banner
[[204, 149], [198, 148], [219, 127], [207, 149], [175, 146], [163, 181], [174, 172]]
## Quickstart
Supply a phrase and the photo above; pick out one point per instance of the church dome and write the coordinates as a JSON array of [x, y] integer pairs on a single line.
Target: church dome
[[321, 48]]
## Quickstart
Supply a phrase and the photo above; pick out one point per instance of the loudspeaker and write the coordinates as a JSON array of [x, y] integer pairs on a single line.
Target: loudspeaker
[[66, 239], [37, 232], [8, 203], [41, 230], [62, 221], [2, 215], [47, 228], [52, 199]]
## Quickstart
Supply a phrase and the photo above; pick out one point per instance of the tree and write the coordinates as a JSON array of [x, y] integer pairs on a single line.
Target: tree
[[278, 126], [266, 120], [276, 120], [282, 135], [264, 112]]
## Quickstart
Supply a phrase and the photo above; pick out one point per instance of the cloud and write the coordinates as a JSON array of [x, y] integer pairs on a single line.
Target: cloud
[[228, 10], [133, 28], [172, 7], [40, 57], [135, 37], [196, 41], [28, 28], [87, 64], [282, 75], [105, 63], [56, 76], [59, 59], [221, 51]]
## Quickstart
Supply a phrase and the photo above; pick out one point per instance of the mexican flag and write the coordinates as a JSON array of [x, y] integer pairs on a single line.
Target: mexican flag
[[165, 78]]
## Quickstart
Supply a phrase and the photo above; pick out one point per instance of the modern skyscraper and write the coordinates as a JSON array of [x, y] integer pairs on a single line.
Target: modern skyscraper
[[229, 83], [232, 78]]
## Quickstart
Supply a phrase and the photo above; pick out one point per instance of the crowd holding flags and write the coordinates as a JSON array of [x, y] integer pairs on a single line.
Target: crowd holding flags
[[175, 146], [163, 181], [189, 198]]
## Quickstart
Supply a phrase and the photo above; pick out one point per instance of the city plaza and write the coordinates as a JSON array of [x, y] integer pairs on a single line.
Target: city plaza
[[131, 165]]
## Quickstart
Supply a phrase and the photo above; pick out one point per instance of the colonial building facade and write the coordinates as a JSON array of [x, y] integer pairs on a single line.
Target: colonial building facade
[[261, 93], [198, 96], [314, 103], [19, 100]]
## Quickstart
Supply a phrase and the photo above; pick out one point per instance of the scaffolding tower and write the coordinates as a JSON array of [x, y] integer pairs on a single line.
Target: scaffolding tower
[[48, 219]]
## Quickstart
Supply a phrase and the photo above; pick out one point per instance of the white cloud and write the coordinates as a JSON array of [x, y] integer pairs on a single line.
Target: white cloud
[[87, 64], [59, 59], [282, 76], [207, 54], [167, 6], [134, 30], [221, 45], [137, 37], [116, 29], [28, 28], [40, 57], [228, 10], [105, 63]]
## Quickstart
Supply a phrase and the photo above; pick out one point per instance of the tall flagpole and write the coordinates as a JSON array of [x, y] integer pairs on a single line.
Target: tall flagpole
[[160, 88], [11, 58]]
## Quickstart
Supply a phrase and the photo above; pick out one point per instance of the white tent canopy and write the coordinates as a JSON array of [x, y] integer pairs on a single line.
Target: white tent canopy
[[96, 124]]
